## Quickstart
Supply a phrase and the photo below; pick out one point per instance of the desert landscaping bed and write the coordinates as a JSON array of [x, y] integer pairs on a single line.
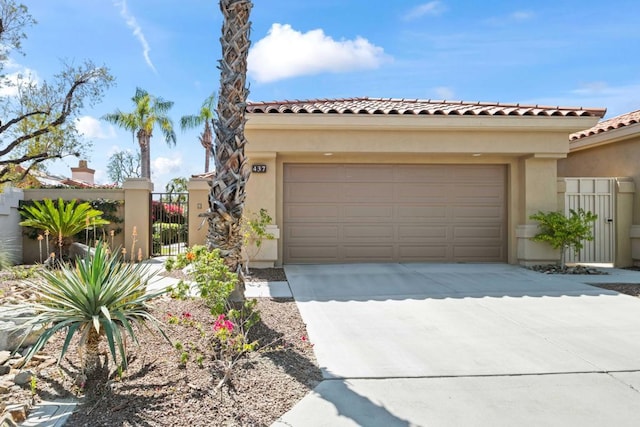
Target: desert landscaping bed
[[173, 384]]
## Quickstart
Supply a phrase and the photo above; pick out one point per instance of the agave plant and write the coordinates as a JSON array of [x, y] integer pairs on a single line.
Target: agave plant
[[101, 297], [62, 220]]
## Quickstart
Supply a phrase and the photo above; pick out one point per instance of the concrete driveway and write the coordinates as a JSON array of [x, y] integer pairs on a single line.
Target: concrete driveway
[[466, 344]]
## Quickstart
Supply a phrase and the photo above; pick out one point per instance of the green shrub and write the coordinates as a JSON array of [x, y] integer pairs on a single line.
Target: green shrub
[[212, 277], [100, 297], [61, 220], [565, 232]]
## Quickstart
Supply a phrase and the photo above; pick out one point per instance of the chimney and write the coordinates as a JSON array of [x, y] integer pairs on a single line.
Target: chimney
[[83, 173]]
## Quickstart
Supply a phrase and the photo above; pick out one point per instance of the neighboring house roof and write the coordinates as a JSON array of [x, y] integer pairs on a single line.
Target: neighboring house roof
[[390, 106], [619, 128], [617, 122]]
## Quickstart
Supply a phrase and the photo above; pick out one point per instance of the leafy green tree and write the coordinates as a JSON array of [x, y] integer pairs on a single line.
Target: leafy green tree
[[38, 118], [148, 113], [175, 186], [565, 232], [122, 165], [204, 117], [100, 297], [227, 196], [62, 220]]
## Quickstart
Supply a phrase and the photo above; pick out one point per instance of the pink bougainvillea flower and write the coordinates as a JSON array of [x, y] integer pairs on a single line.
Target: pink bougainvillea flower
[[222, 323], [186, 315]]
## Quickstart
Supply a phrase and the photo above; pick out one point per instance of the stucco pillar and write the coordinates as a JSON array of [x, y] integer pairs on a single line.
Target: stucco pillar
[[199, 190], [137, 214], [262, 188], [538, 192]]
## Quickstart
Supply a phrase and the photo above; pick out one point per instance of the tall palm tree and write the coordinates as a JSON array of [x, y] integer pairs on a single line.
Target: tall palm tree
[[226, 199], [149, 112], [206, 116]]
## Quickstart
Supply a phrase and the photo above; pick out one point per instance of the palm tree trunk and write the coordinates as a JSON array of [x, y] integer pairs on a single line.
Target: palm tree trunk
[[227, 196], [91, 352], [207, 142], [144, 140]]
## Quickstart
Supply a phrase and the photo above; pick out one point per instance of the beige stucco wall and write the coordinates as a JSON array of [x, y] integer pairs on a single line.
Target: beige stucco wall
[[614, 153], [619, 159], [529, 146]]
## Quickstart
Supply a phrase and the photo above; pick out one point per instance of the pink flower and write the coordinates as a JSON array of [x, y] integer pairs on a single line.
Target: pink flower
[[186, 315], [303, 338], [222, 323]]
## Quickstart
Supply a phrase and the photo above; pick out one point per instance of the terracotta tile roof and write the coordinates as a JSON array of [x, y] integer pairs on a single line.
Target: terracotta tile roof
[[390, 106], [610, 124]]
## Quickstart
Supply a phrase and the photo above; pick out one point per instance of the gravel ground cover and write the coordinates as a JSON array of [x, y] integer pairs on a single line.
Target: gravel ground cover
[[162, 387]]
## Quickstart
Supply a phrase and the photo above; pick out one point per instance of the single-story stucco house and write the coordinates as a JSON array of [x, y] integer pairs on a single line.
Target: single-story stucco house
[[611, 148], [395, 180]]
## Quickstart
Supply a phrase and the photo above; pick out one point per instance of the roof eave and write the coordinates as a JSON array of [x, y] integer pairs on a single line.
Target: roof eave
[[567, 124]]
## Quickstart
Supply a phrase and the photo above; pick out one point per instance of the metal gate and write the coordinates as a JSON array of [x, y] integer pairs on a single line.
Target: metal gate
[[169, 223], [598, 196]]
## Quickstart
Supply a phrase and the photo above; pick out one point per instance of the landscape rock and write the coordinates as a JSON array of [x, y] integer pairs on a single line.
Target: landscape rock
[[11, 334], [23, 378], [557, 269], [78, 250], [4, 356]]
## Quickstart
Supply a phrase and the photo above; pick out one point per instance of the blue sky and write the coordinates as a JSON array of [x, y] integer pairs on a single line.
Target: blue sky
[[569, 52]]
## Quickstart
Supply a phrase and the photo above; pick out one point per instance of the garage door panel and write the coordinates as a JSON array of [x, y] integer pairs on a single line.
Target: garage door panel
[[419, 193], [315, 254], [477, 213], [423, 233], [478, 173], [369, 173], [312, 233], [314, 173], [471, 192], [484, 233], [366, 192], [418, 173], [390, 213], [311, 213], [377, 233], [368, 212], [421, 213], [312, 192]]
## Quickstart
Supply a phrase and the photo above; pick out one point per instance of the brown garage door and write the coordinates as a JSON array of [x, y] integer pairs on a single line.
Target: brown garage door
[[392, 213]]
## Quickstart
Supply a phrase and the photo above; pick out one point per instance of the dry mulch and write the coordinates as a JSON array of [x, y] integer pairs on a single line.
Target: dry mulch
[[158, 389]]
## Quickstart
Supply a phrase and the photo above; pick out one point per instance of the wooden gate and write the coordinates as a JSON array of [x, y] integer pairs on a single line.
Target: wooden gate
[[169, 223], [598, 196]]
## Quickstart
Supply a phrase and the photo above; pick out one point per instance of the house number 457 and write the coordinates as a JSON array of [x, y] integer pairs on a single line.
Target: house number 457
[[259, 168]]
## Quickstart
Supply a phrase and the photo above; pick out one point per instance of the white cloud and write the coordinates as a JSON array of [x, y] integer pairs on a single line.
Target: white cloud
[[91, 127], [522, 15], [286, 53], [432, 8], [137, 31], [443, 92], [517, 16], [166, 165], [10, 82]]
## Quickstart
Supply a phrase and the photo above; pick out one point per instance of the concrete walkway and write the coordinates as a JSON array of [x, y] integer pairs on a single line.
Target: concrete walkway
[[461, 344]]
